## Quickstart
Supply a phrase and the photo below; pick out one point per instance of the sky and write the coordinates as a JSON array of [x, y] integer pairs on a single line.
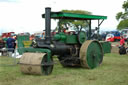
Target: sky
[[25, 15]]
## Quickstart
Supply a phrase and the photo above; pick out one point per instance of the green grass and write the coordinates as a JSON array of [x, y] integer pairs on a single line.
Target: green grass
[[113, 71]]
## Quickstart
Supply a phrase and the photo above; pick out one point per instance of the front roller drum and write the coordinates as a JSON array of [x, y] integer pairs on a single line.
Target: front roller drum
[[36, 63], [91, 54]]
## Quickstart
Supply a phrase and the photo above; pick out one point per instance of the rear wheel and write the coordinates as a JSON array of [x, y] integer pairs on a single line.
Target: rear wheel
[[91, 54]]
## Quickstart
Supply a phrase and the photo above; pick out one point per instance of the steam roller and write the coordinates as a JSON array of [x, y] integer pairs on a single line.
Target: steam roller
[[72, 48]]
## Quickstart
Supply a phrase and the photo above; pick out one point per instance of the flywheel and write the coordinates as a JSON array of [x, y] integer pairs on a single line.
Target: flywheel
[[82, 37], [35, 63], [91, 54]]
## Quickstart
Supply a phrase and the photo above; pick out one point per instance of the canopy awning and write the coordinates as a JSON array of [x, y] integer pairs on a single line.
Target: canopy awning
[[62, 15]]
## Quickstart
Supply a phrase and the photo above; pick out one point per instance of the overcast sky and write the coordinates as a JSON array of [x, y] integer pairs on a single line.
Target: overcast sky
[[25, 15]]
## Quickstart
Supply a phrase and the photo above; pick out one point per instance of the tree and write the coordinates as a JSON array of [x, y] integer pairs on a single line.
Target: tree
[[76, 24], [119, 15], [122, 17], [123, 24]]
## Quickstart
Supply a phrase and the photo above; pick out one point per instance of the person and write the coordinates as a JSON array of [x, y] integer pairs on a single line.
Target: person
[[2, 45], [103, 36], [122, 49], [11, 44], [122, 41], [127, 41]]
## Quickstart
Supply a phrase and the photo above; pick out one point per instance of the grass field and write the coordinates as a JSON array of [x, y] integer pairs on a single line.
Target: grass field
[[113, 71]]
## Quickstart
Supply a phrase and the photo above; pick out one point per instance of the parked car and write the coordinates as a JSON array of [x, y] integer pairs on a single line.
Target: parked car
[[124, 33], [113, 36]]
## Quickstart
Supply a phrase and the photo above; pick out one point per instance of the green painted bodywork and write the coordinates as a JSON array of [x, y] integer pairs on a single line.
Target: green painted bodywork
[[39, 50], [60, 37], [62, 15], [20, 39], [66, 38], [106, 46], [71, 39]]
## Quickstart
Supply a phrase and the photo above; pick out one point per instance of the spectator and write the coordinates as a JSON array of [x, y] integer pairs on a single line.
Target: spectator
[[127, 41], [103, 36], [11, 44], [122, 49], [122, 41], [2, 43]]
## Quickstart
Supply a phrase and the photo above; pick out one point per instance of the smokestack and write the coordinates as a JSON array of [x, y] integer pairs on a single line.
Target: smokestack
[[48, 25]]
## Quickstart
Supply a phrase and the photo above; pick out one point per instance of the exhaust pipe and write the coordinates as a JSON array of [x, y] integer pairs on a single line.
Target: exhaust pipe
[[48, 25]]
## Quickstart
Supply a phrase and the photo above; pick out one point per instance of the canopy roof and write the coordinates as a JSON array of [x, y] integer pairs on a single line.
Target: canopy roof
[[62, 15]]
